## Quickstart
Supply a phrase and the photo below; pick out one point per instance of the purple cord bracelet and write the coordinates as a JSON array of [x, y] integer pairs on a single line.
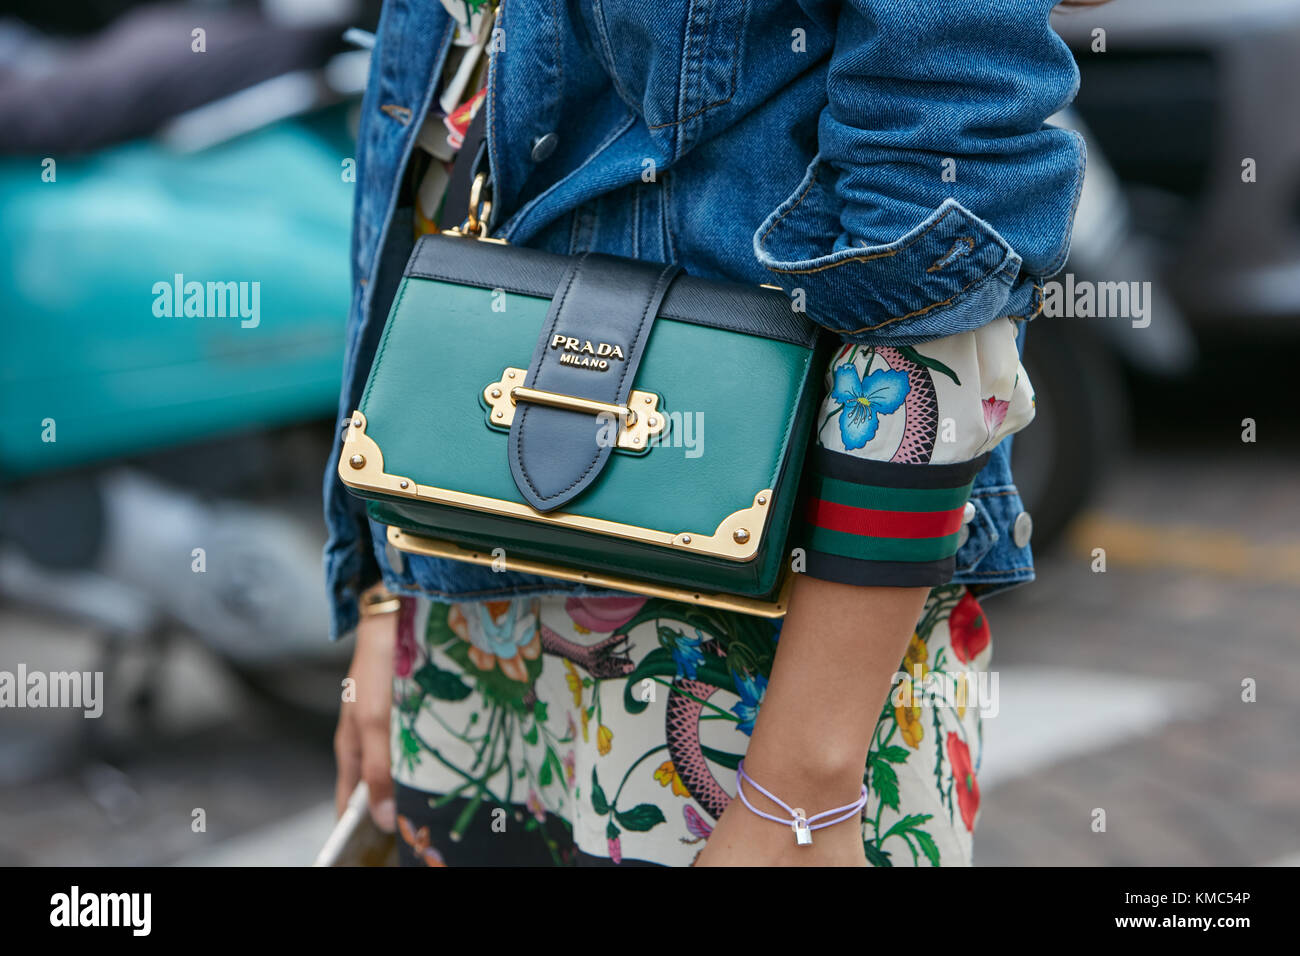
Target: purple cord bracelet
[[802, 824]]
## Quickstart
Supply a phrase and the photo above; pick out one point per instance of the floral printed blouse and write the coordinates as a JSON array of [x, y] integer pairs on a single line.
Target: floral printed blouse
[[903, 433]]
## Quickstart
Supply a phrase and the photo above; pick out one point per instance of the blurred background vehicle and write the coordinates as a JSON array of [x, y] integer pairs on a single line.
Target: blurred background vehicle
[[1181, 103], [1082, 421], [136, 159], [1188, 97]]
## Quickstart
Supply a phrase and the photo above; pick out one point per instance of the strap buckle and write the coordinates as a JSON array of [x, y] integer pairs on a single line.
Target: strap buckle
[[638, 421]]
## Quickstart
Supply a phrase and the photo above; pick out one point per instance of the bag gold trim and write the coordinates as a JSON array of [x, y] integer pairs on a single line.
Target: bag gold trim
[[737, 537], [436, 548]]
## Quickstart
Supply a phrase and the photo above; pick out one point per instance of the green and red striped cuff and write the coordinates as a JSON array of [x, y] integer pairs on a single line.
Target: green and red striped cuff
[[884, 523]]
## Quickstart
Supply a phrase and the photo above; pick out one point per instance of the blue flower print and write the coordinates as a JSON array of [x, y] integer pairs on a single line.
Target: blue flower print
[[687, 654], [862, 401], [750, 687]]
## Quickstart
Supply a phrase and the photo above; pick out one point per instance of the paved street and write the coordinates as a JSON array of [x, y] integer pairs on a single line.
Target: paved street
[[1120, 691]]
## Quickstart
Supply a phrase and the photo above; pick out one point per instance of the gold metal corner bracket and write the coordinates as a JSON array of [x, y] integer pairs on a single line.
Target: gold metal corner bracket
[[737, 537], [437, 548], [639, 421]]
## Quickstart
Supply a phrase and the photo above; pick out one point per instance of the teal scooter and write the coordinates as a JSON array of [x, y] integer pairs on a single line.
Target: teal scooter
[[173, 333], [150, 298]]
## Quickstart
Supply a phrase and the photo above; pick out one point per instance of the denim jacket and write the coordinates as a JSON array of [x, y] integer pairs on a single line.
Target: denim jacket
[[886, 162]]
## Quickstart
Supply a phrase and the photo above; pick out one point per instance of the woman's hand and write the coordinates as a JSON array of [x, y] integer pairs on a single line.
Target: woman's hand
[[839, 648], [361, 744]]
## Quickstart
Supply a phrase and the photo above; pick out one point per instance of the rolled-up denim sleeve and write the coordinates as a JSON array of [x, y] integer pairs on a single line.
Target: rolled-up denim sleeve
[[939, 198], [902, 434]]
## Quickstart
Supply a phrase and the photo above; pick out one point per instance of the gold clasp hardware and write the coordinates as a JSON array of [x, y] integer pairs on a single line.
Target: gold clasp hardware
[[480, 211], [639, 420]]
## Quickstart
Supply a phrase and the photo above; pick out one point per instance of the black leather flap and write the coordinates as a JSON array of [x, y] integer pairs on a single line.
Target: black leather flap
[[591, 344], [752, 310]]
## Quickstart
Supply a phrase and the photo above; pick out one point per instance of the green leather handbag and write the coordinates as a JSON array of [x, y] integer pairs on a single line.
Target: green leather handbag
[[590, 418]]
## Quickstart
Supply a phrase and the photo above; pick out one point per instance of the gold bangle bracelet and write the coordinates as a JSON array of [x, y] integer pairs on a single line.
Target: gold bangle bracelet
[[379, 600]]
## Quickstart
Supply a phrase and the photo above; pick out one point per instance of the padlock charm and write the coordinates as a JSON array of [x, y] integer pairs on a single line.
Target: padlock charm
[[802, 832]]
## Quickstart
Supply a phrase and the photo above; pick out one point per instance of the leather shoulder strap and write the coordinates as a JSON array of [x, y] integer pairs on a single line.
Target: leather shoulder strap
[[471, 159]]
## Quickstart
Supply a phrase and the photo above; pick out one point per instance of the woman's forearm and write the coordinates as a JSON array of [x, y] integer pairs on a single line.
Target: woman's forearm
[[840, 646]]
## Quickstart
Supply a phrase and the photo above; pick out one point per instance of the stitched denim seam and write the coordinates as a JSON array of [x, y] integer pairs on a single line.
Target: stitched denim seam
[[686, 82], [888, 254], [735, 62], [611, 67], [918, 312]]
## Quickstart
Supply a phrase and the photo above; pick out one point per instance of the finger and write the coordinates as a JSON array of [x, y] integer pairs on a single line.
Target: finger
[[376, 770], [376, 641], [347, 757]]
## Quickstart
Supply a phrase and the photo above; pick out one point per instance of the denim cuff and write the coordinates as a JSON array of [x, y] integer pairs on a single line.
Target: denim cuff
[[952, 273]]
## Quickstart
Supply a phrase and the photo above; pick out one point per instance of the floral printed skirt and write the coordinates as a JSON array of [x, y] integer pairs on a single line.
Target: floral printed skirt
[[569, 731]]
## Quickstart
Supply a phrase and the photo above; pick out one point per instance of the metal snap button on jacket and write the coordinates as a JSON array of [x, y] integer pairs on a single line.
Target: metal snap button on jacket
[[968, 513], [543, 146], [1022, 529], [963, 536]]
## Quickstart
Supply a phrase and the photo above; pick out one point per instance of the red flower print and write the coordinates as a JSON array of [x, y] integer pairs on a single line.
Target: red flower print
[[968, 629], [963, 775], [615, 850], [405, 650]]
